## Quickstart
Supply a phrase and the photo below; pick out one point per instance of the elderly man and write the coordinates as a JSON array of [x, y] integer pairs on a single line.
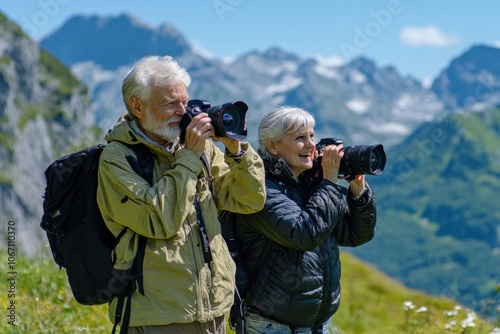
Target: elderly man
[[188, 273]]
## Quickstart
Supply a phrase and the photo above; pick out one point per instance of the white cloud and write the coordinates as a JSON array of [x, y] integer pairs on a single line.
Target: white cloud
[[426, 36]]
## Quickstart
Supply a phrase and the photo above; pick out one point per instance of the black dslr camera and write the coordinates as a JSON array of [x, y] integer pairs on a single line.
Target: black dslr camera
[[228, 119], [357, 160]]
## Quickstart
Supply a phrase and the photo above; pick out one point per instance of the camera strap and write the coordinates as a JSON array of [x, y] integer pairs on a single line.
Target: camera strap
[[207, 255]]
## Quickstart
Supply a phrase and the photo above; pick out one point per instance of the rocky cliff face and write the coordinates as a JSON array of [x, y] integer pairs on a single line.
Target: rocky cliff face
[[44, 113]]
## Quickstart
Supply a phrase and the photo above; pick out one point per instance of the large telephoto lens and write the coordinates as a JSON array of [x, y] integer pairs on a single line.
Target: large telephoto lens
[[363, 159], [229, 120]]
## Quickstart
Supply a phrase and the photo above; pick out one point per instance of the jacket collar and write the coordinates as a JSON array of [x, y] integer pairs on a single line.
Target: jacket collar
[[278, 167]]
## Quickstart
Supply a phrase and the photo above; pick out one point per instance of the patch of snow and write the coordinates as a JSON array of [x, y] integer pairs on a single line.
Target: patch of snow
[[392, 127], [358, 105], [286, 67], [357, 77], [286, 84], [327, 67]]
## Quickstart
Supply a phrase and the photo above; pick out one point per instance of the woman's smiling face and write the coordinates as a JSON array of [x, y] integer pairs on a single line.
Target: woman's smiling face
[[297, 149]]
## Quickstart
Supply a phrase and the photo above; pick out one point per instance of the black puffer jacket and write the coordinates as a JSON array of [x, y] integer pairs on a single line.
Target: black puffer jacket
[[298, 282]]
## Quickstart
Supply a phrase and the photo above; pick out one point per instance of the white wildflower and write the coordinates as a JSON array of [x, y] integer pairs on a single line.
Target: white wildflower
[[451, 313], [469, 321], [422, 309], [408, 305], [454, 312], [450, 325]]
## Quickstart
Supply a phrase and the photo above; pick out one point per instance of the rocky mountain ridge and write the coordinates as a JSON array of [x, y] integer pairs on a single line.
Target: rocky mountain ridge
[[357, 101]]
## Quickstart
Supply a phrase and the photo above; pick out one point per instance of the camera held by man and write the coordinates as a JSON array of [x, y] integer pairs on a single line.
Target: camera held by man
[[228, 119]]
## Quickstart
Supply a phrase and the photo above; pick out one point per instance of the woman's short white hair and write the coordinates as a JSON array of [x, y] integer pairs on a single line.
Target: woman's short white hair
[[149, 72], [282, 120]]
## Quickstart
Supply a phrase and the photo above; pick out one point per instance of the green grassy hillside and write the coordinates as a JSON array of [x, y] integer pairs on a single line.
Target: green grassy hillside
[[372, 303], [43, 300], [36, 299]]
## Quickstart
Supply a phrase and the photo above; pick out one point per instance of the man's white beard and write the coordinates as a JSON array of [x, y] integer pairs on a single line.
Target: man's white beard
[[162, 130]]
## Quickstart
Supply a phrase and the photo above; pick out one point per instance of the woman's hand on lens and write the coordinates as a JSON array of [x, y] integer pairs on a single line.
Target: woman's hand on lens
[[357, 185]]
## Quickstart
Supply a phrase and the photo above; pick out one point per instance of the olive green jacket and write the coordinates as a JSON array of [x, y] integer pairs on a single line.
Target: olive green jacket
[[179, 286]]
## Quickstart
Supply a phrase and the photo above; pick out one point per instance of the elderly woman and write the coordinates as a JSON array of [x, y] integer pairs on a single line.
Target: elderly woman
[[291, 247]]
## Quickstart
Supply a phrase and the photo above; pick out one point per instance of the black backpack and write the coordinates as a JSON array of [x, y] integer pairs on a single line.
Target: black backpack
[[79, 239]]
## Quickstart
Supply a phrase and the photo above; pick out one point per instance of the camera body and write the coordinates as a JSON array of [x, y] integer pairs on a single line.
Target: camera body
[[357, 160], [228, 119]]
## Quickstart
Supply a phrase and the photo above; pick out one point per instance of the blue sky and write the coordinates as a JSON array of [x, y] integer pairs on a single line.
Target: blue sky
[[417, 37]]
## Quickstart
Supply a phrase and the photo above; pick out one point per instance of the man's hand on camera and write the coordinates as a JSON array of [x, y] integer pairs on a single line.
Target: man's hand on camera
[[199, 129], [233, 146]]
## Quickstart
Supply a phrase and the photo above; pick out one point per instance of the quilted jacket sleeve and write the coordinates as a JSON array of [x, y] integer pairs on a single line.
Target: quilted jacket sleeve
[[302, 226], [359, 223]]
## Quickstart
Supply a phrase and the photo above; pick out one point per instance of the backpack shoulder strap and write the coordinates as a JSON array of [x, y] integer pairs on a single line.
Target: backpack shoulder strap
[[143, 162]]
